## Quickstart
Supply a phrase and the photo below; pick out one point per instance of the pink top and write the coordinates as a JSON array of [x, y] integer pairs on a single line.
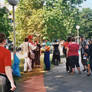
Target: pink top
[[73, 49]]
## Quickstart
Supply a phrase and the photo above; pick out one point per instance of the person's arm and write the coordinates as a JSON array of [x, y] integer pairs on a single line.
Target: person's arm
[[8, 72], [67, 50]]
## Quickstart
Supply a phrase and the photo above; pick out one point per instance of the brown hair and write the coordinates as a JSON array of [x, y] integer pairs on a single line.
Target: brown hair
[[73, 39], [26, 39], [2, 37]]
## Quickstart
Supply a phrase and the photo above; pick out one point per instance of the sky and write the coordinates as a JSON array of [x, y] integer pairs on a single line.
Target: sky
[[86, 4]]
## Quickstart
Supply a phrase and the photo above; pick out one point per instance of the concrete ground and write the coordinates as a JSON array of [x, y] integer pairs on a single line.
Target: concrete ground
[[58, 80]]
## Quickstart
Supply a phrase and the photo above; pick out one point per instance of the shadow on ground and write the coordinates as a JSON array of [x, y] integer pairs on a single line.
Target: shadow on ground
[[58, 80]]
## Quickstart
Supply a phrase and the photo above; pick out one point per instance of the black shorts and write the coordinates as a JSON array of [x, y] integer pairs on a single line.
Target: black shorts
[[74, 61]]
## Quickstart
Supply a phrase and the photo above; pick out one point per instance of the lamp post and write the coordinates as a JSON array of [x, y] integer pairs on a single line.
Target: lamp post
[[78, 27], [14, 3]]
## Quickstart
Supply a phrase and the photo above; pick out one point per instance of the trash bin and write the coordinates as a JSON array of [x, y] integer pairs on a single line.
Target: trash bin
[[2, 83]]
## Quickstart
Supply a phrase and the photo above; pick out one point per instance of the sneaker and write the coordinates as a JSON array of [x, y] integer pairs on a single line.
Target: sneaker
[[25, 71], [68, 71], [84, 70]]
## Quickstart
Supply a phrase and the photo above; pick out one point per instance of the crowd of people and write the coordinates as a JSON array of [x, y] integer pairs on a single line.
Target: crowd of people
[[71, 50], [32, 52], [86, 55], [36, 48]]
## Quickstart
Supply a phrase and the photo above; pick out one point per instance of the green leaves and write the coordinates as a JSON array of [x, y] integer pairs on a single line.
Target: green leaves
[[86, 22], [5, 23], [54, 19], [29, 19], [60, 19]]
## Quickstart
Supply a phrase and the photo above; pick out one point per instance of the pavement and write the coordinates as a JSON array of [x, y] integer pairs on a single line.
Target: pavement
[[57, 80], [34, 84]]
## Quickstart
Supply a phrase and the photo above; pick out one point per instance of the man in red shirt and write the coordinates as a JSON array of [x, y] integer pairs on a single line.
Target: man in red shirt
[[5, 62], [72, 53]]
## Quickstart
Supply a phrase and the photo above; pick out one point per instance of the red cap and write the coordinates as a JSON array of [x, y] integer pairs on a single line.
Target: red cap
[[30, 37]]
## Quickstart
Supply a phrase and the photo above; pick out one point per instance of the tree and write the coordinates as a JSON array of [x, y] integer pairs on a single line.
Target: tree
[[74, 2], [55, 19], [29, 19], [60, 19], [5, 22], [86, 22]]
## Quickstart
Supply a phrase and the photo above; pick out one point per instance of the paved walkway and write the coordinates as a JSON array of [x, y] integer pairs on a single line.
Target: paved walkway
[[57, 80], [35, 84]]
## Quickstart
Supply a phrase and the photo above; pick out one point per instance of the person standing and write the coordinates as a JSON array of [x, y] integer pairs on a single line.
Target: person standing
[[56, 53], [86, 58], [82, 44], [37, 52], [32, 47], [90, 55], [72, 53], [47, 56], [5, 63], [27, 61]]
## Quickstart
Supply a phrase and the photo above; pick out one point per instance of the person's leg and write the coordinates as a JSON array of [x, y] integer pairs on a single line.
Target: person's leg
[[25, 65], [67, 65], [77, 63], [48, 61], [53, 58], [85, 65], [88, 70], [72, 64], [56, 60], [29, 64], [90, 61], [73, 70], [59, 57], [82, 61], [33, 63], [38, 59], [91, 66]]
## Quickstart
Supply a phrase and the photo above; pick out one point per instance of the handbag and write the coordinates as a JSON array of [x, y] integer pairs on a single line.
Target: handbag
[[5, 85], [30, 53]]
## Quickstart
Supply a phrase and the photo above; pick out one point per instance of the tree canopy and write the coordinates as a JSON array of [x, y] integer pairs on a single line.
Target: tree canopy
[[55, 19], [86, 22], [5, 22]]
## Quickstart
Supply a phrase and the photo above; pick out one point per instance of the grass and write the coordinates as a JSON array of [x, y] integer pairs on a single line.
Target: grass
[[35, 72]]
